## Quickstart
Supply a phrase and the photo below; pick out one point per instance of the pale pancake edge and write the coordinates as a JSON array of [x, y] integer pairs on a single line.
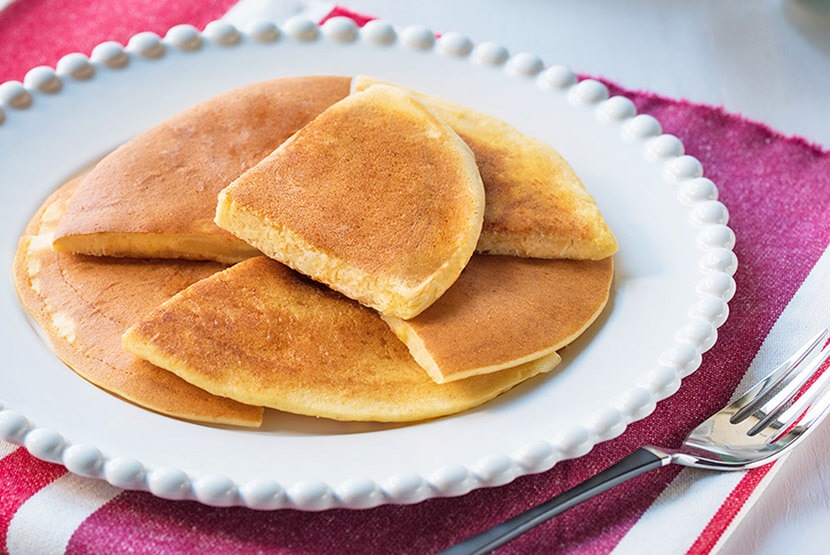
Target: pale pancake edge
[[83, 304]]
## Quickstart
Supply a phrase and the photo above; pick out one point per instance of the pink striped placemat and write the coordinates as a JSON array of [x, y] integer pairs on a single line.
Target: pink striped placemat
[[775, 188]]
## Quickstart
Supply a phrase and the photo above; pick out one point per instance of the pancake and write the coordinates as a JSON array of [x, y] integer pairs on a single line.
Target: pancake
[[262, 334], [505, 311], [84, 304], [376, 198], [155, 196], [536, 204]]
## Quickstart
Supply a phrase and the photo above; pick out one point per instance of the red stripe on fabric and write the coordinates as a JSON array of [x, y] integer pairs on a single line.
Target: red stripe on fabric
[[39, 32], [22, 476], [338, 11], [727, 512]]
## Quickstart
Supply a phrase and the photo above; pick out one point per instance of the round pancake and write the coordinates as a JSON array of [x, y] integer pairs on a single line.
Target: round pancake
[[84, 304], [505, 311], [262, 334], [155, 196], [536, 204], [376, 198]]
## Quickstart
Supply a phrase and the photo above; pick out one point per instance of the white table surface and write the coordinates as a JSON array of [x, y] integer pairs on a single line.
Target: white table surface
[[768, 60]]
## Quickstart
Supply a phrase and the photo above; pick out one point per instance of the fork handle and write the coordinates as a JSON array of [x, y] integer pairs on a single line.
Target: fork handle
[[639, 462]]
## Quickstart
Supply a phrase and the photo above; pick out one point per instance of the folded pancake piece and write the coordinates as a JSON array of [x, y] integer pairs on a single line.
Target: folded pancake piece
[[505, 311], [536, 204], [376, 198], [155, 196], [84, 304], [262, 334]]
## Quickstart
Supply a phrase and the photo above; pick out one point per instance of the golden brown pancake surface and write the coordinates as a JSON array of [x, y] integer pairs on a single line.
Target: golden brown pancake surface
[[262, 334], [84, 304], [155, 196], [376, 198], [536, 204], [503, 311]]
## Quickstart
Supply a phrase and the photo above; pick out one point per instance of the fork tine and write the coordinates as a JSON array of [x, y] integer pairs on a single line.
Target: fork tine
[[804, 406], [772, 408], [748, 402], [817, 411]]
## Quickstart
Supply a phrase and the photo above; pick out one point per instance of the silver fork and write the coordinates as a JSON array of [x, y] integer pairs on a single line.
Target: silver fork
[[763, 424]]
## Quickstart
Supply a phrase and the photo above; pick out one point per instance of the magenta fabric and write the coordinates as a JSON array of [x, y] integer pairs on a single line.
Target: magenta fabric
[[776, 189], [39, 32]]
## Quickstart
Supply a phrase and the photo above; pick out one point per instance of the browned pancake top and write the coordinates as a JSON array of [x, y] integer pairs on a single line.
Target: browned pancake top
[[85, 303], [167, 179], [381, 185], [262, 333], [504, 309]]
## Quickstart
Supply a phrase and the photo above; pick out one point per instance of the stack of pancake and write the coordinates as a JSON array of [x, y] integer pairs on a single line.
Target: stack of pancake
[[327, 246]]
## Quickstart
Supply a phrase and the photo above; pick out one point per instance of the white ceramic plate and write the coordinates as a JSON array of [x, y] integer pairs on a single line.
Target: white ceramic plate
[[673, 273]]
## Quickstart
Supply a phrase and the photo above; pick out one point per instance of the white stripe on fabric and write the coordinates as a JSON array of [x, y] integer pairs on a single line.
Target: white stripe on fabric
[[68, 501], [679, 513], [277, 11], [753, 497], [7, 448], [685, 507]]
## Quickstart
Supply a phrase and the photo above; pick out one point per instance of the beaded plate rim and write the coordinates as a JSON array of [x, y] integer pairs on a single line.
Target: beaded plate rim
[[714, 239]]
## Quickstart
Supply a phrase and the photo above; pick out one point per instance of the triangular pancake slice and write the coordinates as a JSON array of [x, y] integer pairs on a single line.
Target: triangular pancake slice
[[83, 304], [536, 204], [376, 198], [505, 311], [155, 196], [262, 334]]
